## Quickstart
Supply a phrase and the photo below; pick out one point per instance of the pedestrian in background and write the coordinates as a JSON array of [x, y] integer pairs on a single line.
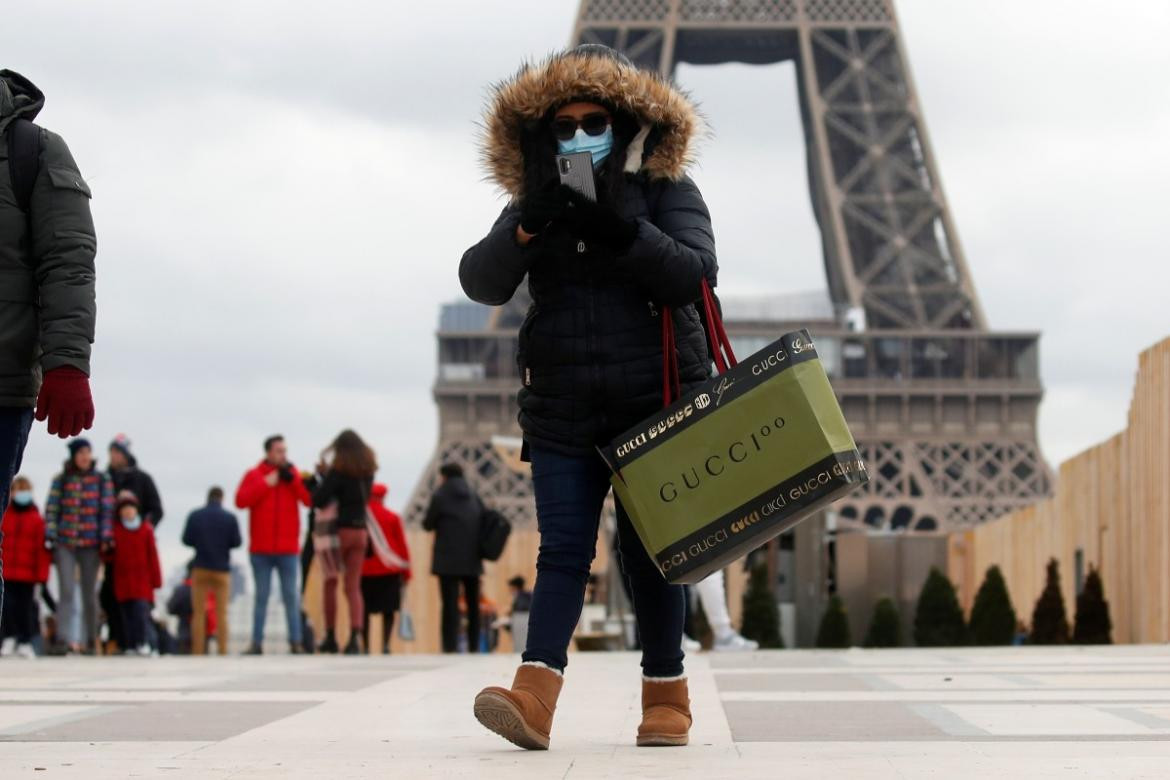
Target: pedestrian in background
[[382, 584], [454, 514], [79, 530], [346, 471], [126, 475], [47, 309], [213, 533], [137, 573], [518, 616], [273, 493], [26, 564]]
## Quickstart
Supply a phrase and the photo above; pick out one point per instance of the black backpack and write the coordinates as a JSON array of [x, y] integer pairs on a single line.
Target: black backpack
[[24, 159], [494, 530]]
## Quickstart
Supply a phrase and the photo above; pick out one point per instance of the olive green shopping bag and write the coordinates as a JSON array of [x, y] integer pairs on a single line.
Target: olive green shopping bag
[[737, 461]]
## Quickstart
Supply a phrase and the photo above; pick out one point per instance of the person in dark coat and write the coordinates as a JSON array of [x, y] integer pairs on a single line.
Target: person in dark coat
[[213, 532], [454, 515], [601, 276], [47, 301], [347, 470], [126, 475]]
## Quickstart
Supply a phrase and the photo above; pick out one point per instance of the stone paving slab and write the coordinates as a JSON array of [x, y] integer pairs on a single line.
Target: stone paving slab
[[1002, 713]]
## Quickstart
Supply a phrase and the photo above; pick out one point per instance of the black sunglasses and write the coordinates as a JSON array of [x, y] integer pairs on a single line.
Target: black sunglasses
[[565, 127]]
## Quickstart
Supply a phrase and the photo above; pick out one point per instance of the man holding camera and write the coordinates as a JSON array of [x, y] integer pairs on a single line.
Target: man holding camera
[[272, 493]]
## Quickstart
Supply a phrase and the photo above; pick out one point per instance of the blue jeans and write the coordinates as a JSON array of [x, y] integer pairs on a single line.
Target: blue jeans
[[286, 565], [570, 492], [15, 423]]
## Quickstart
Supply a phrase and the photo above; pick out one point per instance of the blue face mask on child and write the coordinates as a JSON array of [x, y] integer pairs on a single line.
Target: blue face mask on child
[[22, 498], [598, 145], [133, 524]]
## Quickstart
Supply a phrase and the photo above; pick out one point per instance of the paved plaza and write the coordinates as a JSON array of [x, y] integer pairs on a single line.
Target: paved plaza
[[987, 713]]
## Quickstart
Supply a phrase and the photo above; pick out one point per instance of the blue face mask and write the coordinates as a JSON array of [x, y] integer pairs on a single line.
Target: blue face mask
[[22, 498], [132, 524], [598, 145]]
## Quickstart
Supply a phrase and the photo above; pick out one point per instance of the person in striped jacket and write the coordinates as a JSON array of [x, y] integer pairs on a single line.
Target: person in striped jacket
[[78, 530]]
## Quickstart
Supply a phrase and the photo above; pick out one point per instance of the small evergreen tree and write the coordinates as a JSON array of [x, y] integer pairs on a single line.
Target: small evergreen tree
[[993, 619], [761, 614], [834, 629], [885, 629], [1049, 622], [938, 620], [1092, 626]]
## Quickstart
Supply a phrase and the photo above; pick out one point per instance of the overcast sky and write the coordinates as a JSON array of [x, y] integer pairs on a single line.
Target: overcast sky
[[283, 190]]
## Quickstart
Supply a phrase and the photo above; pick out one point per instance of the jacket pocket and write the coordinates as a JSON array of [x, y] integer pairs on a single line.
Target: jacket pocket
[[68, 179]]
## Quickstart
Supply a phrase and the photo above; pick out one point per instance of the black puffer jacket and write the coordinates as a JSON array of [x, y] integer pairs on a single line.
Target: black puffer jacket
[[454, 515], [352, 495], [591, 347]]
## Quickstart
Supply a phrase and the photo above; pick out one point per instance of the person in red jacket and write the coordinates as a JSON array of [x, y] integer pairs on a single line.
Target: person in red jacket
[[26, 563], [273, 493], [137, 572], [382, 584]]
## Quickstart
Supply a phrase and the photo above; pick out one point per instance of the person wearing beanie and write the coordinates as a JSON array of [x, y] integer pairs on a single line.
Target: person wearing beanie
[[126, 475], [79, 527], [47, 305], [603, 275], [382, 582], [26, 563], [137, 573]]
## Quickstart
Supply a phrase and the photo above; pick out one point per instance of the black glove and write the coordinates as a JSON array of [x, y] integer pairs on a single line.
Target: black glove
[[543, 207], [287, 474], [601, 223]]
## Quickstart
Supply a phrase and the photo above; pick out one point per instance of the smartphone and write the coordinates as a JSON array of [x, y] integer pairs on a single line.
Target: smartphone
[[576, 171]]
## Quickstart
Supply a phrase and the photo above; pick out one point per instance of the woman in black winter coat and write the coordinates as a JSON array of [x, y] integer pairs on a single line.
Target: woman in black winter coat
[[591, 356], [346, 472]]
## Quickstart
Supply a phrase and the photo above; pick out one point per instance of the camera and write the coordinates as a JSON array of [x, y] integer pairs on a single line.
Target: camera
[[287, 474]]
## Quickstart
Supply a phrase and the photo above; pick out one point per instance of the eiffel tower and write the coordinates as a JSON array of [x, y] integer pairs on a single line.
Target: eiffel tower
[[943, 408]]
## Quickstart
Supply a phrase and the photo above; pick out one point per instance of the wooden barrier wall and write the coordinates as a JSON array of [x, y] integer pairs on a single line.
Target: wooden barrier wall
[[1112, 503]]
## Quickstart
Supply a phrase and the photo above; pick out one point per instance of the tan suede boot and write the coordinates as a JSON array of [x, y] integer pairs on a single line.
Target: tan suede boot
[[666, 713], [524, 714]]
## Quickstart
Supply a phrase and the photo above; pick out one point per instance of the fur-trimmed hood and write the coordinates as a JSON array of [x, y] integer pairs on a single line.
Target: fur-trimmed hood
[[670, 122]]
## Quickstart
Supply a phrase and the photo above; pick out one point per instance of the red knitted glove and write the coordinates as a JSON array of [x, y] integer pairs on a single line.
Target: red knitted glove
[[65, 401]]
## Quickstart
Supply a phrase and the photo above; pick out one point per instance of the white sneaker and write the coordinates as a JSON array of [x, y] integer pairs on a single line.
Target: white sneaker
[[25, 651], [144, 651], [734, 643], [8, 646], [689, 645]]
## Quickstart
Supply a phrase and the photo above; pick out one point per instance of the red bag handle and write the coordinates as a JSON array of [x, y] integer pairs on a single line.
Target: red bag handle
[[717, 340]]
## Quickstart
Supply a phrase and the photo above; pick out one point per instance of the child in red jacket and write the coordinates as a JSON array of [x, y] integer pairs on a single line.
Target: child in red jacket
[[26, 563], [136, 571]]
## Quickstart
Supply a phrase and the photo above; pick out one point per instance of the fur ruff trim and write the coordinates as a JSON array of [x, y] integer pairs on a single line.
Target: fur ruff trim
[[536, 87], [541, 665]]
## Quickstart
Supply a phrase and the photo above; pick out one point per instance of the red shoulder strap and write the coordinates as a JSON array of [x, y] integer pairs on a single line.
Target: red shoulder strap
[[717, 341]]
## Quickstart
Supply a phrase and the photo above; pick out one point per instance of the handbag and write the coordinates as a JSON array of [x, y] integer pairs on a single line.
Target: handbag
[[494, 530], [326, 540], [405, 625], [740, 459]]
